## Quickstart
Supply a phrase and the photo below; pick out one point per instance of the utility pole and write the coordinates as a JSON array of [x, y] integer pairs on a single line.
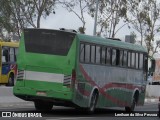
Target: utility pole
[[95, 21]]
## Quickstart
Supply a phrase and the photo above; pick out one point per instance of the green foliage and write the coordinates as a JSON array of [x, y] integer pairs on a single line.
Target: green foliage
[[110, 13], [144, 18], [78, 7], [18, 14], [123, 12], [81, 30]]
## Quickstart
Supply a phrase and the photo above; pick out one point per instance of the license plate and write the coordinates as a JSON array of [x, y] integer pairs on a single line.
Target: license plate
[[41, 93]]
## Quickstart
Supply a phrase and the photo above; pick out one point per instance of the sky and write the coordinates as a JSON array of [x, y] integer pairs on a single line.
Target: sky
[[68, 20]]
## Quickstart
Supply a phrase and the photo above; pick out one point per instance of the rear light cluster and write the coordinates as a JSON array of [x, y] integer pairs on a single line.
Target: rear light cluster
[[20, 75], [69, 81]]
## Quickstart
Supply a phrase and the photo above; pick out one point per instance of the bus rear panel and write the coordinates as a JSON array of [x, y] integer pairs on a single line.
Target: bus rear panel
[[46, 61]]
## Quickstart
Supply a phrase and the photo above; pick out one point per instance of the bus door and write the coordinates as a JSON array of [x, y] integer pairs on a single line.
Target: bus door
[[4, 64]]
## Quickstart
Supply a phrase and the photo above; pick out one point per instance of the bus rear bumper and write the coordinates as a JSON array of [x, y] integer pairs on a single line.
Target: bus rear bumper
[[31, 94]]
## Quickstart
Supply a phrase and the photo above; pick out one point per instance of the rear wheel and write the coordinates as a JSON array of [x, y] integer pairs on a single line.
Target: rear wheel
[[43, 105], [10, 80], [132, 107], [93, 103]]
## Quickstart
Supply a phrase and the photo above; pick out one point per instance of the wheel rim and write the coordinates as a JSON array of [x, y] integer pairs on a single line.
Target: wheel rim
[[10, 81]]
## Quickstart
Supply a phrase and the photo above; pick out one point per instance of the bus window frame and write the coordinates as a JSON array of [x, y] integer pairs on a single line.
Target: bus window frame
[[110, 59]]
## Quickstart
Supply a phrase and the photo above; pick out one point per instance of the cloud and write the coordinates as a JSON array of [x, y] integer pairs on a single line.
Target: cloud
[[68, 20]]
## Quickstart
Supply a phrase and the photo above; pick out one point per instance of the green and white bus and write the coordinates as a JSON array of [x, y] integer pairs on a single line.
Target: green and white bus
[[61, 68]]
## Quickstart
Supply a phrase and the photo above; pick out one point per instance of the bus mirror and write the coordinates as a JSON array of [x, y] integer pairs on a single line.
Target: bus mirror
[[152, 65]]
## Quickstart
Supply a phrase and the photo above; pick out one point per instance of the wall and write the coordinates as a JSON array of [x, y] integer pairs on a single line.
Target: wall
[[153, 91]]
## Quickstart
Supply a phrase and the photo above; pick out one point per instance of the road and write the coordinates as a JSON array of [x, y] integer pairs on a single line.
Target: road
[[65, 113], [10, 103]]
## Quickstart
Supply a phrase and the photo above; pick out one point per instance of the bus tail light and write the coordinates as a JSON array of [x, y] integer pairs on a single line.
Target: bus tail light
[[69, 80], [20, 75]]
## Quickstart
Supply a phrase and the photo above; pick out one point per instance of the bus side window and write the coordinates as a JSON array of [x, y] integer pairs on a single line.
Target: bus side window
[[125, 58], [5, 57], [98, 54], [12, 55], [103, 55], [137, 60], [129, 59], [117, 57], [15, 54], [93, 54], [108, 61], [87, 53], [114, 56], [133, 60], [82, 52], [121, 58], [140, 61]]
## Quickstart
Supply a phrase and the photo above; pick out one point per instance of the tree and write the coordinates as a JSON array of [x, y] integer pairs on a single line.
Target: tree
[[39, 8], [136, 16], [109, 16], [78, 7], [24, 13], [144, 17], [4, 18], [155, 50]]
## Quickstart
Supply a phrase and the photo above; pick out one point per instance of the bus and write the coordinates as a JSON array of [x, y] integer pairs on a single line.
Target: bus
[[8, 66], [64, 68]]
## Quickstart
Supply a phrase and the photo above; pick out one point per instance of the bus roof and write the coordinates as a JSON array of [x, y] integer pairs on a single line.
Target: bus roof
[[105, 41], [111, 43], [10, 44]]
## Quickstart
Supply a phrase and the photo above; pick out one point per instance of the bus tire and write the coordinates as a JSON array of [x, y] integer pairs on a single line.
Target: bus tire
[[132, 107], [93, 103], [43, 105], [10, 80]]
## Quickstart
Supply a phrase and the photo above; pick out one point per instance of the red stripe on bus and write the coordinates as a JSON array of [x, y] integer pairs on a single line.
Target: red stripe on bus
[[87, 77], [121, 85], [84, 92], [107, 86]]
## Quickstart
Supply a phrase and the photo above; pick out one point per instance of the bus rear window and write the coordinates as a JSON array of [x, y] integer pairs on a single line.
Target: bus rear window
[[48, 41]]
